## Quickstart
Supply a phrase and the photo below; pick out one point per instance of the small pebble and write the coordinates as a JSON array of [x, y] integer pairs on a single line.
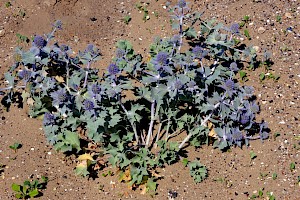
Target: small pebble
[[2, 32], [256, 48], [76, 38], [288, 15], [261, 30]]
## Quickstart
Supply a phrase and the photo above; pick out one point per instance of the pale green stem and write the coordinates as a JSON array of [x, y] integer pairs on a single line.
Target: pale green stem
[[150, 131]]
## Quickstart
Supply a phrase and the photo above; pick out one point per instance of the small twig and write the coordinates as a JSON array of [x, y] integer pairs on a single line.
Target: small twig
[[252, 138], [174, 134], [11, 87]]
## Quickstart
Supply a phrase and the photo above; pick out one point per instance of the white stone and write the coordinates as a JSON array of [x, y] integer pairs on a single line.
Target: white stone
[[257, 48], [288, 15], [2, 32], [261, 30]]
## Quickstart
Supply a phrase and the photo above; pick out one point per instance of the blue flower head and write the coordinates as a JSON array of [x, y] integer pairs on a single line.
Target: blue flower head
[[181, 4], [57, 24], [92, 50], [199, 52], [49, 119], [233, 67], [39, 41], [178, 84], [88, 105], [161, 62], [25, 75], [161, 58], [120, 53], [59, 97], [113, 69], [96, 89], [244, 119], [234, 28], [228, 86]]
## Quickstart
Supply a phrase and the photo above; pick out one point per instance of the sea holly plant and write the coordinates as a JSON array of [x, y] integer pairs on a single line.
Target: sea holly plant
[[140, 115]]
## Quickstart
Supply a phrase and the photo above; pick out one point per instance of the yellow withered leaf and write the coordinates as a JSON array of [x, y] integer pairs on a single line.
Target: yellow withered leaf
[[60, 79], [212, 132], [81, 165], [125, 176], [85, 157]]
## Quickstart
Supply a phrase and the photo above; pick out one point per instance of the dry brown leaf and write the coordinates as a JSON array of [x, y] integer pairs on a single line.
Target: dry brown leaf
[[125, 176], [60, 79], [30, 101]]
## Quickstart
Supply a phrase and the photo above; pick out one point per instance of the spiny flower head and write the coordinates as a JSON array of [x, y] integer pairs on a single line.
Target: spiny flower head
[[25, 74], [57, 24], [96, 89], [161, 58], [161, 62], [59, 97], [92, 50], [39, 41], [178, 84], [49, 119], [233, 67], [228, 86], [88, 105], [234, 28], [199, 52], [181, 4], [113, 69], [244, 119], [120, 53]]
